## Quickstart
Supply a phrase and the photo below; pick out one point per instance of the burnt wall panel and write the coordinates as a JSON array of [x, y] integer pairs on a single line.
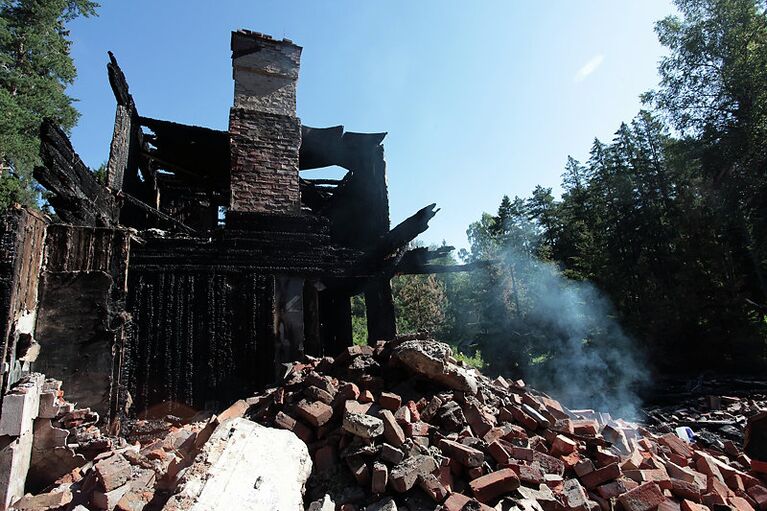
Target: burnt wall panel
[[199, 340], [74, 335], [22, 237], [80, 323]]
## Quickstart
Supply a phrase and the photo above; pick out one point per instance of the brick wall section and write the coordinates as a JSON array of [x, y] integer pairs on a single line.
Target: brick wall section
[[265, 72], [264, 162]]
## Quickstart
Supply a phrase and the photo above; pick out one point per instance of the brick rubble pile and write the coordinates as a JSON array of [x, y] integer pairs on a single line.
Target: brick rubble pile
[[403, 424], [399, 426]]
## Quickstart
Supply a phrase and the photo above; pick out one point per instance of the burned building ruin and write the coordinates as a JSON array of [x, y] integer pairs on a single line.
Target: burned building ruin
[[207, 259]]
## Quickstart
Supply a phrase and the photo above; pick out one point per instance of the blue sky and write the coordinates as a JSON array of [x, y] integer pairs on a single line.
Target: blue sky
[[480, 99]]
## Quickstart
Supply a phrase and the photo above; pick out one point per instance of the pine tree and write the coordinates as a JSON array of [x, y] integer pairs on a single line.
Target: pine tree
[[35, 69]]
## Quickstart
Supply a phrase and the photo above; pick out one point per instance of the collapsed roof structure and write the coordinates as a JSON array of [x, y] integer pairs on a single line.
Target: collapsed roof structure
[[207, 259]]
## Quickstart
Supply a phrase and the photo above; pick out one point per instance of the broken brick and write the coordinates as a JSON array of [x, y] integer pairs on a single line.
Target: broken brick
[[493, 485], [644, 497], [316, 413]]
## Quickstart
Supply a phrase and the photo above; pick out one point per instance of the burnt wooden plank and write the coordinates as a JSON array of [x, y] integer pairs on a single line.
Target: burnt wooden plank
[[77, 197]]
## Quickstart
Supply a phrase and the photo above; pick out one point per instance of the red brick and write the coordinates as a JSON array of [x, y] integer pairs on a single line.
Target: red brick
[[348, 391], [480, 422], [740, 504], [379, 479], [499, 454], [467, 456], [390, 401], [415, 415], [359, 469], [457, 502], [676, 444], [669, 505], [316, 413], [528, 474], [562, 445], [688, 505], [584, 467], [392, 431], [759, 494], [284, 421], [707, 466], [523, 418], [685, 490], [113, 471], [432, 487], [585, 427], [612, 489], [574, 496], [495, 433], [713, 499], [416, 429], [366, 397], [403, 415], [633, 461], [601, 476], [644, 497], [714, 485], [493, 485], [605, 457]]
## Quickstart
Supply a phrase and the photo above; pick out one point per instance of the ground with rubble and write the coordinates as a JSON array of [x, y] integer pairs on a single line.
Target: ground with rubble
[[395, 426]]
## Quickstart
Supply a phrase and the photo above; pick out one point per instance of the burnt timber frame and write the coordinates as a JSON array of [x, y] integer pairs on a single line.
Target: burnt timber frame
[[198, 299]]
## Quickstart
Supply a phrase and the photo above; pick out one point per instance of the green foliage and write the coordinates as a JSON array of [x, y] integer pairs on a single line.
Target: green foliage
[[420, 302], [35, 69], [359, 321], [470, 360]]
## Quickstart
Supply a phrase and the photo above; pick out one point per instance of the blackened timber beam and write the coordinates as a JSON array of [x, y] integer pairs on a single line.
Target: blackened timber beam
[[379, 308], [157, 213], [428, 269], [77, 196], [406, 231]]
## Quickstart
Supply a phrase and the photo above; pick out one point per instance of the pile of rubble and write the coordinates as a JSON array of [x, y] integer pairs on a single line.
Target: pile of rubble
[[718, 421], [396, 426], [402, 425]]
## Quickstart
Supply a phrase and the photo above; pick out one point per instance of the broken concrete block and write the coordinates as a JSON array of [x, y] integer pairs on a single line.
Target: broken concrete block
[[49, 405], [246, 466], [363, 426], [51, 458], [430, 359], [20, 406], [15, 458]]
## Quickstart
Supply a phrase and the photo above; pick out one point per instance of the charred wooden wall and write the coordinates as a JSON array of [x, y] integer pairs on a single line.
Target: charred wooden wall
[[22, 235], [199, 338], [82, 311]]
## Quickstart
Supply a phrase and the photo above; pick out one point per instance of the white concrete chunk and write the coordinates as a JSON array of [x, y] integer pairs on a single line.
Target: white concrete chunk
[[248, 467]]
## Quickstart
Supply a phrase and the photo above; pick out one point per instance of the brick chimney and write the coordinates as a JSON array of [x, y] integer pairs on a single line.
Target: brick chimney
[[265, 132]]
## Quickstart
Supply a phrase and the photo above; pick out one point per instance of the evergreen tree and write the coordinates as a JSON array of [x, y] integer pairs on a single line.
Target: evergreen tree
[[35, 69]]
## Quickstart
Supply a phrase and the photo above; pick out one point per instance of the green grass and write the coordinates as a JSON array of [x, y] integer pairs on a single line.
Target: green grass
[[475, 361]]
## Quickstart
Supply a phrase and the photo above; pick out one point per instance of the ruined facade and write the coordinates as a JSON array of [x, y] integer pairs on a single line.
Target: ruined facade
[[208, 258]]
